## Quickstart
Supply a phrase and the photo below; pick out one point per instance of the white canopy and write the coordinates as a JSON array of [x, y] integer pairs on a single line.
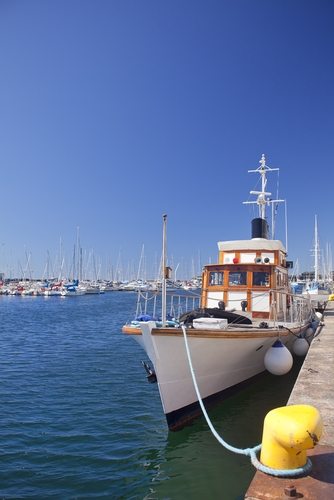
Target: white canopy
[[254, 244]]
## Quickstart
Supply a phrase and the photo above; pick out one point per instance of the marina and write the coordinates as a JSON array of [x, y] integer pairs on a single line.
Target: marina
[[166, 288], [81, 420]]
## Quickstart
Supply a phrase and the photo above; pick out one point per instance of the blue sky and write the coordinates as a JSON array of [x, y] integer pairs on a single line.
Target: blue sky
[[113, 113]]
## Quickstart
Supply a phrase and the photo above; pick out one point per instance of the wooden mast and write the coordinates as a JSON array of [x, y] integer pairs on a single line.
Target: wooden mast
[[164, 271]]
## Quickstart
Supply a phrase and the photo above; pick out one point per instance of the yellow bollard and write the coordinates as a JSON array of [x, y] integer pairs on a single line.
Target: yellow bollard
[[331, 296], [287, 433]]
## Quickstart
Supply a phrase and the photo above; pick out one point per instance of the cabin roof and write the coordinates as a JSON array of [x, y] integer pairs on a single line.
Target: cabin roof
[[254, 244]]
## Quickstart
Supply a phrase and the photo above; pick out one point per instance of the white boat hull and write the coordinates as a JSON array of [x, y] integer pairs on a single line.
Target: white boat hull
[[220, 364], [92, 290], [71, 293]]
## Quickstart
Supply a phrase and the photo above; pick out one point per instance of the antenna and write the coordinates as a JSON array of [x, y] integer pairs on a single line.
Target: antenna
[[262, 201]]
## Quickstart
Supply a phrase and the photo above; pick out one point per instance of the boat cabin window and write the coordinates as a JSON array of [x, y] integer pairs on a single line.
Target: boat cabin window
[[281, 279], [237, 278], [260, 278], [216, 278]]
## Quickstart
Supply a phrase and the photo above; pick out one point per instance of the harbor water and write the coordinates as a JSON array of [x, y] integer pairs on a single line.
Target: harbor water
[[79, 420]]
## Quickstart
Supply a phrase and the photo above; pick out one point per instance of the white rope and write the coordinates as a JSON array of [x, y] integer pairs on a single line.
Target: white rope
[[251, 452]]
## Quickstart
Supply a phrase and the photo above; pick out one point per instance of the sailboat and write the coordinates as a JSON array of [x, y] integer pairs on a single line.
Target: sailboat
[[72, 289], [244, 319], [316, 287]]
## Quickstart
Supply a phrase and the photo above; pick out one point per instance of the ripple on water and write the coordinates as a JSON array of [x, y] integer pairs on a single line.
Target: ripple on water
[[77, 417]]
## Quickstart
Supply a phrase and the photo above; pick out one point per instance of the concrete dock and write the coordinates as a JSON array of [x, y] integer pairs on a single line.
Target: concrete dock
[[314, 386]]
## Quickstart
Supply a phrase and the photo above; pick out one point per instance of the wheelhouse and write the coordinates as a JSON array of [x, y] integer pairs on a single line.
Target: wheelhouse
[[248, 278]]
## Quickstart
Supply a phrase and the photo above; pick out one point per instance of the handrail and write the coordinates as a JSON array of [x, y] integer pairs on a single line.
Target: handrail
[[176, 304], [297, 309]]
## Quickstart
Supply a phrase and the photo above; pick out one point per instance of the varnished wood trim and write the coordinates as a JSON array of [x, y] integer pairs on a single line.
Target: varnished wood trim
[[219, 334], [260, 314], [215, 334], [130, 330]]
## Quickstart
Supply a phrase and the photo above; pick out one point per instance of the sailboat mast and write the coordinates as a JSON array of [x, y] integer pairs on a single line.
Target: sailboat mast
[[140, 272], [163, 282], [316, 252]]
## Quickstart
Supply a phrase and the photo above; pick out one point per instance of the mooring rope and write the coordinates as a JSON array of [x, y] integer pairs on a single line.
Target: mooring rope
[[251, 452]]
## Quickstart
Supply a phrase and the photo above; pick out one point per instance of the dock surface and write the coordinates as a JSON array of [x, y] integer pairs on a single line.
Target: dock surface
[[314, 386]]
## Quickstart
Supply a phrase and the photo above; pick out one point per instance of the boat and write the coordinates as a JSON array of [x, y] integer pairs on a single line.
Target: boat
[[193, 285], [90, 288], [73, 291], [108, 286], [316, 286], [53, 292], [245, 312]]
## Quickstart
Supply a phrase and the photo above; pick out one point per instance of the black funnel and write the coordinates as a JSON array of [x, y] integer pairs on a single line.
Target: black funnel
[[259, 228]]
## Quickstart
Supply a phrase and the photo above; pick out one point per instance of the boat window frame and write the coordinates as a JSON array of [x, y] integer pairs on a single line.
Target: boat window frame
[[218, 272], [261, 282], [237, 271]]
